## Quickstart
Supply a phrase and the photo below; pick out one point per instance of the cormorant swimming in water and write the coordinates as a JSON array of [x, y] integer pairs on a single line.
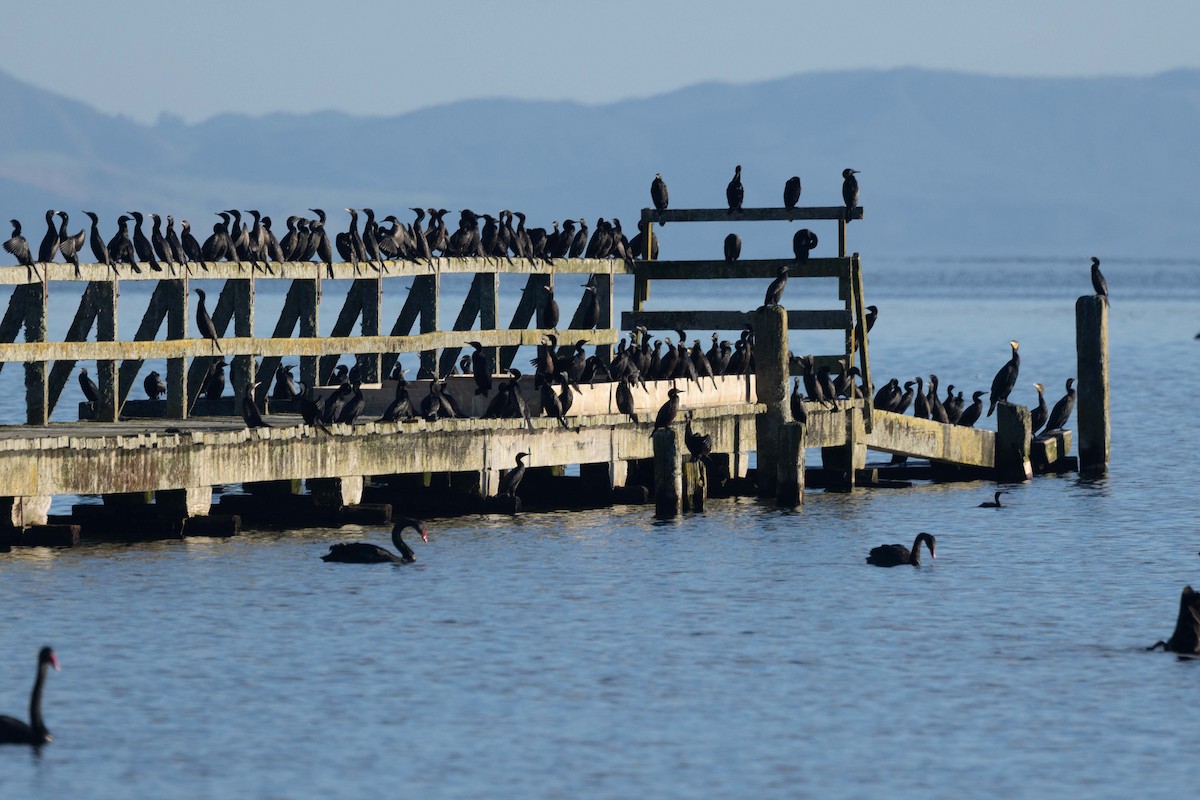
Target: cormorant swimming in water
[[512, 478], [19, 247], [791, 192], [1098, 282], [154, 386], [735, 192], [849, 191], [250, 412], [993, 503], [90, 390], [658, 192], [775, 289], [733, 247], [205, 324], [1038, 415], [1062, 409], [364, 553], [1006, 378], [14, 731], [893, 555]]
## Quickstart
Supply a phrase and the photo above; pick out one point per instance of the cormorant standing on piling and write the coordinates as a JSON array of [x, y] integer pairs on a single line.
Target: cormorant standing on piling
[[658, 192], [799, 411], [90, 390], [481, 370], [154, 386], [1039, 415], [667, 412], [849, 191], [887, 397], [893, 555], [219, 245], [1006, 378], [937, 412], [803, 241], [99, 248], [70, 245], [512, 478], [972, 412], [120, 246], [204, 323], [1062, 409], [775, 289], [19, 247], [365, 553], [49, 241], [349, 244], [735, 192], [401, 406], [1098, 282], [733, 247], [250, 411], [791, 192], [637, 245], [141, 245]]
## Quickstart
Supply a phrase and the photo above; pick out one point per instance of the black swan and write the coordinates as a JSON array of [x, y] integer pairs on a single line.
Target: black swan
[[1186, 638], [993, 503], [14, 731], [893, 555], [364, 553]]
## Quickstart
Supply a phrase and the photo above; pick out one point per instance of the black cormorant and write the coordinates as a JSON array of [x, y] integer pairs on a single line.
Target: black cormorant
[[154, 386], [1062, 409], [1186, 637], [973, 412], [1006, 378], [550, 310], [99, 247], [19, 248], [625, 399], [1098, 282], [799, 411], [791, 192], [849, 191], [803, 241], [214, 383], [353, 407], [735, 192], [365, 553], [1039, 414], [250, 412], [667, 412], [775, 289], [70, 245], [159, 242], [658, 192], [49, 241], [733, 247], [481, 370], [285, 383], [512, 478], [893, 555], [141, 244], [120, 246], [191, 247], [204, 323], [90, 390], [698, 444]]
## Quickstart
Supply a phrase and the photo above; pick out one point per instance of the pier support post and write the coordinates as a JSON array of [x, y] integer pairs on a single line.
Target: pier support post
[[668, 474], [771, 379], [789, 475], [109, 407], [1014, 429], [841, 461], [37, 374], [695, 486], [1091, 407], [22, 512], [193, 502], [177, 328], [336, 493]]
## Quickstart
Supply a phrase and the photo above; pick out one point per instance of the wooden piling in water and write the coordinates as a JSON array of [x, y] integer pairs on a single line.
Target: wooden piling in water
[[771, 380], [668, 473], [1091, 404], [789, 470], [1014, 429]]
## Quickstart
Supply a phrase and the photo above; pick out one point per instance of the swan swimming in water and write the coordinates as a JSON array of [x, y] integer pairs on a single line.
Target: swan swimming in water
[[13, 730], [365, 553], [893, 555]]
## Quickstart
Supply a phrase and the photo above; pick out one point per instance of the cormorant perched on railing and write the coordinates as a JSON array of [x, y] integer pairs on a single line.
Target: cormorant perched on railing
[[141, 245], [803, 241], [1098, 282], [50, 241], [219, 245], [174, 245], [159, 242], [735, 192], [70, 245], [120, 246], [90, 390], [99, 248], [658, 192], [353, 406], [512, 478], [154, 386], [481, 370], [579, 243], [893, 555], [551, 404], [285, 383], [906, 398], [791, 192], [733, 247], [204, 323], [775, 289], [191, 247], [625, 399], [19, 248], [401, 406], [250, 412], [1006, 378], [214, 382], [365, 553], [973, 412], [849, 191], [1062, 409]]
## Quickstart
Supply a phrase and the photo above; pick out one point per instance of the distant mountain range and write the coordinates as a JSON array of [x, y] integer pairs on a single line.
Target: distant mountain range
[[952, 164]]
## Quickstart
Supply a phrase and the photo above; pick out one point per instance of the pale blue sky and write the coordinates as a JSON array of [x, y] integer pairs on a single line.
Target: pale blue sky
[[195, 60]]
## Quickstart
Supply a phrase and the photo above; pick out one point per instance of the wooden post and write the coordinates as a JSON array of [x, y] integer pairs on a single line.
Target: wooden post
[[1014, 429], [429, 323], [771, 379], [789, 475], [308, 296], [1091, 405], [109, 407], [177, 328], [242, 371], [37, 388], [372, 296], [860, 313], [668, 474], [841, 461], [695, 486]]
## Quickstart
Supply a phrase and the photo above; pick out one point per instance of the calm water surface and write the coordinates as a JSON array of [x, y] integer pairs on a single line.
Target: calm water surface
[[745, 652]]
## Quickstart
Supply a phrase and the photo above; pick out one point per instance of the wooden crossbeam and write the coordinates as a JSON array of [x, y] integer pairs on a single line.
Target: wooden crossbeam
[[824, 320], [758, 268], [749, 214]]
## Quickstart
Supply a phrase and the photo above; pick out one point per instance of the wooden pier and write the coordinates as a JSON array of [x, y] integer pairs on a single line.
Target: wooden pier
[[161, 471]]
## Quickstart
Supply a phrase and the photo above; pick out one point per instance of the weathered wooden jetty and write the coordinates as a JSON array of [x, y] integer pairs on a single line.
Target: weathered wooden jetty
[[187, 466]]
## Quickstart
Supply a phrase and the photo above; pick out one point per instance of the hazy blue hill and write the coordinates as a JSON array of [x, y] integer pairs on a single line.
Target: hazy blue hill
[[951, 163]]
